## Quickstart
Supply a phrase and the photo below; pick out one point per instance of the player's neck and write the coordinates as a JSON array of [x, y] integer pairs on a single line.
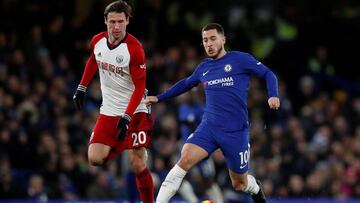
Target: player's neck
[[221, 54], [114, 41]]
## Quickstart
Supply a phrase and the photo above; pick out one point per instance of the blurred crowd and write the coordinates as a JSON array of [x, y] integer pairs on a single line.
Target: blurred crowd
[[309, 148]]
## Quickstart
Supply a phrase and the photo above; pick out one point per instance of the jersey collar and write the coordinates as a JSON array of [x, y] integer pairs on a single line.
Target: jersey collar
[[113, 47]]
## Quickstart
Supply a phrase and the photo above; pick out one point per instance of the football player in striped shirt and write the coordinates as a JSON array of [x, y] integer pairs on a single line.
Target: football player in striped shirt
[[124, 121]]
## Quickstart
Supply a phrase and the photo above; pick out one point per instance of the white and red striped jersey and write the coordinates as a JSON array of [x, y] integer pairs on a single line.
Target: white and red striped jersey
[[122, 71]]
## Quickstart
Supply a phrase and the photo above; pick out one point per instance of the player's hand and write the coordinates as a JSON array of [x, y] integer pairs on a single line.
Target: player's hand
[[123, 125], [151, 100], [79, 96], [274, 103]]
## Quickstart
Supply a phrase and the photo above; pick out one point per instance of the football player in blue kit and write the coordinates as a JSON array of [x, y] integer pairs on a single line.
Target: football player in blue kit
[[225, 77]]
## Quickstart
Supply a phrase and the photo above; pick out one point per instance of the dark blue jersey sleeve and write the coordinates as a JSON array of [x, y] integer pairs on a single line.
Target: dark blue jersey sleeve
[[180, 87], [255, 67]]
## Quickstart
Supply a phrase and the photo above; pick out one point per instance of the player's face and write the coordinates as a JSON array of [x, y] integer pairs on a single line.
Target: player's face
[[116, 25], [213, 43]]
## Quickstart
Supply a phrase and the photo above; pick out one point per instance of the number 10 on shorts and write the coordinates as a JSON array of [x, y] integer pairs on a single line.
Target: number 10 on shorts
[[244, 158]]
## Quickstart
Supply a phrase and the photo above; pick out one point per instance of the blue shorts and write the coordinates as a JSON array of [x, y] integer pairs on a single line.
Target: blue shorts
[[234, 145]]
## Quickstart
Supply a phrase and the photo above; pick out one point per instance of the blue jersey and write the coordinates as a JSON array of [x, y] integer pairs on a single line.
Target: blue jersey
[[226, 83]]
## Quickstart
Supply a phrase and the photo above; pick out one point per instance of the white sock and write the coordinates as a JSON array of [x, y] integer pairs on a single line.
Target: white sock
[[186, 191], [171, 184], [252, 187]]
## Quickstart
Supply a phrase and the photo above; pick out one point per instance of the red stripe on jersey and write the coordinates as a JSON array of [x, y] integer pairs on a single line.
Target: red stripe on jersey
[[90, 71], [91, 66], [138, 73]]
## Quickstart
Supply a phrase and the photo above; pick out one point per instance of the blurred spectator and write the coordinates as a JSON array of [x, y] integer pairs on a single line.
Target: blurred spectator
[[36, 189], [101, 188], [8, 188]]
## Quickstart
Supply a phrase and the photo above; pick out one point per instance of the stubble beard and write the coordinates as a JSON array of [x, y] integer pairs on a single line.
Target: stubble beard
[[115, 38], [216, 56]]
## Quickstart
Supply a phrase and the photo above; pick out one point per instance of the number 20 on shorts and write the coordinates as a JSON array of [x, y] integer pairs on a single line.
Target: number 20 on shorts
[[138, 138]]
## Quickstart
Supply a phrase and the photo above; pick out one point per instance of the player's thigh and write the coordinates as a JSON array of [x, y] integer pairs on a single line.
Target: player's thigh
[[236, 149], [139, 132], [98, 151], [203, 138], [199, 145], [105, 131]]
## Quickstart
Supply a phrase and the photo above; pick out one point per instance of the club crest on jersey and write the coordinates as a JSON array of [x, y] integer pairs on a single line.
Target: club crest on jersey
[[143, 66], [119, 58], [227, 68]]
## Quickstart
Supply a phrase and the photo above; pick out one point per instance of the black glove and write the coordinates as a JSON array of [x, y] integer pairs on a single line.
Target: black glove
[[123, 125], [79, 96]]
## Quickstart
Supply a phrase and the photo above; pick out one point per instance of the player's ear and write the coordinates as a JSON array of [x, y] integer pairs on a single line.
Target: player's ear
[[224, 39], [105, 21], [127, 20]]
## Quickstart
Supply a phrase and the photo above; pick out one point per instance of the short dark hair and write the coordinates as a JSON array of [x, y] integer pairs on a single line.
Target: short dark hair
[[118, 7], [215, 26]]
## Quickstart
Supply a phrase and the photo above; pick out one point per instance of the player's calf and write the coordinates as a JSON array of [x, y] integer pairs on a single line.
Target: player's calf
[[239, 181], [138, 159], [144, 182], [239, 186]]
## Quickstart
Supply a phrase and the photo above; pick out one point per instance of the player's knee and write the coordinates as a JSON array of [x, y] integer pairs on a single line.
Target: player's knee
[[96, 160], [97, 154], [185, 162], [239, 185], [138, 164]]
